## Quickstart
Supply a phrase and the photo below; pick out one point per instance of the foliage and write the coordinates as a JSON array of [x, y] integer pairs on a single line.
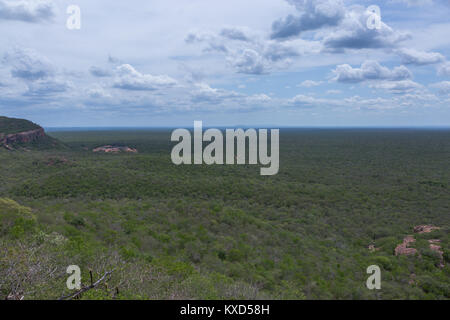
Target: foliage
[[225, 232]]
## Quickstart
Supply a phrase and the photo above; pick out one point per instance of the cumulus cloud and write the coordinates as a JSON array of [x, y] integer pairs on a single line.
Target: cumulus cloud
[[99, 72], [414, 2], [353, 33], [248, 61], [204, 93], [255, 56], [443, 87], [304, 101], [444, 69], [214, 42], [235, 33], [27, 64], [412, 56], [345, 26], [309, 83], [275, 51], [314, 14], [259, 98], [46, 87], [33, 11], [128, 78], [397, 87], [97, 92], [369, 70]]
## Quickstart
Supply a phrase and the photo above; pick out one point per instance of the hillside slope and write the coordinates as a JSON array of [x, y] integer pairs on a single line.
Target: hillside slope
[[18, 133]]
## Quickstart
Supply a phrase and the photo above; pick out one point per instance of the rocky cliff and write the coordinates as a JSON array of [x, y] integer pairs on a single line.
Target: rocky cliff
[[21, 137], [16, 133]]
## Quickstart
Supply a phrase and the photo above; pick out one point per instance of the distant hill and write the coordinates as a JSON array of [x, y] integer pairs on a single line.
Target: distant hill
[[21, 133], [13, 125]]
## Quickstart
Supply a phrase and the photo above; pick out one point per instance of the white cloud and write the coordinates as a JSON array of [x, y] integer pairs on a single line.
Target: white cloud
[[99, 72], [443, 87], [414, 2], [353, 33], [369, 70], [397, 87], [33, 11], [128, 78], [310, 83], [27, 64], [235, 33], [47, 87], [444, 69], [314, 14], [248, 61], [412, 56]]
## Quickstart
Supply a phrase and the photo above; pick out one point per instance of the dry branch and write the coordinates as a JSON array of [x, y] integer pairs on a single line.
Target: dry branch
[[87, 288]]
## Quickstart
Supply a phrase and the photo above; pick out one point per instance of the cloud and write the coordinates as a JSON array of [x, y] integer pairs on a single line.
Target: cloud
[[444, 69], [411, 3], [443, 87], [259, 98], [314, 15], [275, 51], [353, 33], [412, 56], [98, 93], [33, 11], [255, 56], [128, 78], [304, 101], [369, 70], [204, 93], [114, 60], [309, 83], [397, 87], [46, 87], [99, 72], [27, 64], [234, 33], [215, 43], [249, 62]]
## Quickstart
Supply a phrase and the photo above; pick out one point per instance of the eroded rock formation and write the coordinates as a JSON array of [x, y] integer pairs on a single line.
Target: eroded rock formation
[[22, 137], [403, 248], [425, 228], [114, 149]]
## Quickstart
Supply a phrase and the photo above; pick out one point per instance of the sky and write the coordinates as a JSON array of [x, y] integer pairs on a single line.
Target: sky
[[305, 63]]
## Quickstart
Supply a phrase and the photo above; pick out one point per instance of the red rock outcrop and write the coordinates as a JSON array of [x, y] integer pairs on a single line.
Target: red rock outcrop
[[425, 228], [21, 137], [114, 149], [403, 247], [437, 248]]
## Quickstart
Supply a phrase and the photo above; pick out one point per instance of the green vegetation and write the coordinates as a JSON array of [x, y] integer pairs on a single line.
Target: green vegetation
[[12, 125], [225, 232]]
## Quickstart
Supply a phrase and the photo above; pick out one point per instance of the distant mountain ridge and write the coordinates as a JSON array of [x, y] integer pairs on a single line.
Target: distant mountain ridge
[[16, 133]]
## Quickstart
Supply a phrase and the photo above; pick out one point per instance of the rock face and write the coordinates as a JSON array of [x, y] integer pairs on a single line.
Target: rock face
[[21, 137], [434, 245], [425, 229], [114, 149], [402, 248]]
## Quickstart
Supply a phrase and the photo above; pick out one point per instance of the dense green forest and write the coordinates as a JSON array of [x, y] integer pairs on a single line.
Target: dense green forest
[[11, 125], [343, 200]]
